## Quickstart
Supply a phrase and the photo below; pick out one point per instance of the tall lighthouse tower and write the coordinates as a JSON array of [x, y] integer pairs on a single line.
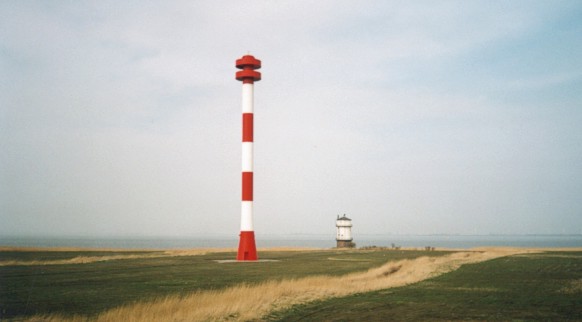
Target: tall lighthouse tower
[[247, 250]]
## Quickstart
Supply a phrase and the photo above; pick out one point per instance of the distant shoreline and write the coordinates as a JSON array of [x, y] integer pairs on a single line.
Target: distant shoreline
[[199, 250], [301, 241]]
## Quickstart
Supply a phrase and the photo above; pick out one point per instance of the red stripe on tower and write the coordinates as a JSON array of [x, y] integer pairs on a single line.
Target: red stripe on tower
[[247, 250], [247, 186], [247, 134]]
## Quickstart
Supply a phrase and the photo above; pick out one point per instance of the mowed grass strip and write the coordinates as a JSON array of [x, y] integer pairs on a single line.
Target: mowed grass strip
[[545, 286], [91, 288]]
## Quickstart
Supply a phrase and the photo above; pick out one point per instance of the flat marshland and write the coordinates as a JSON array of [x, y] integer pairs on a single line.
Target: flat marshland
[[108, 285], [84, 282], [528, 287]]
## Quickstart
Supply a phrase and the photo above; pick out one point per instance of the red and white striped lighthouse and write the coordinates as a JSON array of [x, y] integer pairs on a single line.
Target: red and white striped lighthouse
[[247, 250]]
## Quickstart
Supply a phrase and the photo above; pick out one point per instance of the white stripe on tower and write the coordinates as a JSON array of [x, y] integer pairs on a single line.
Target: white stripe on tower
[[246, 220], [248, 75]]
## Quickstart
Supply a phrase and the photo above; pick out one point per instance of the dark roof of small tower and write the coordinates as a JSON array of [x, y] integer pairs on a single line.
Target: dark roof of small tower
[[344, 218]]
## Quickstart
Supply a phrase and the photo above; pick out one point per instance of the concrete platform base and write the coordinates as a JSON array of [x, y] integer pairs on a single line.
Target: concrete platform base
[[222, 261]]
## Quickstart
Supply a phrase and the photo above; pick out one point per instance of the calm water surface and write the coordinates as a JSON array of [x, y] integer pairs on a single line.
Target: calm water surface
[[320, 241]]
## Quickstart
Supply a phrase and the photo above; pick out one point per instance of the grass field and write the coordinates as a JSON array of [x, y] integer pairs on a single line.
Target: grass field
[[38, 255], [546, 287], [94, 287], [315, 285]]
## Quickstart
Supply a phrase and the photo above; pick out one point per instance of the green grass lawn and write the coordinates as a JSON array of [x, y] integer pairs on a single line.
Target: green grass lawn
[[94, 287], [62, 255], [543, 287]]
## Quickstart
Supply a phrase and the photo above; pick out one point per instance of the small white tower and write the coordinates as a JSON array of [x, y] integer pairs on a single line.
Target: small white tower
[[344, 232]]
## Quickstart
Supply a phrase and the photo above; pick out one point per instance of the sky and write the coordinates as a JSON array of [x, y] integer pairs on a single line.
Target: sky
[[123, 118]]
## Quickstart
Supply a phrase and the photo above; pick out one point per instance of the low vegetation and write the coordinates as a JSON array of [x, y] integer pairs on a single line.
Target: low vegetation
[[252, 302], [29, 286], [322, 285], [544, 286]]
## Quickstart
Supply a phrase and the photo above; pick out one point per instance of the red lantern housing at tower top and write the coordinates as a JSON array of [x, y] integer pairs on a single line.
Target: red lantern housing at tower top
[[248, 74]]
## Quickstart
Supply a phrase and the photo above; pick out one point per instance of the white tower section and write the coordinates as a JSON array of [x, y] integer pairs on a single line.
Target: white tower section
[[344, 232]]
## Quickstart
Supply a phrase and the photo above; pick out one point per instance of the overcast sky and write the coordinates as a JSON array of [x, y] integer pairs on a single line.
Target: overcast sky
[[123, 118]]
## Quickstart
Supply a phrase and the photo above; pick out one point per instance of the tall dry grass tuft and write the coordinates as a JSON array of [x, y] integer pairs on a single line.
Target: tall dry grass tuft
[[251, 302]]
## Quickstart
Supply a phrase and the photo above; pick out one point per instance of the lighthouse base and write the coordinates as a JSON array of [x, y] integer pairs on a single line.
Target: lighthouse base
[[345, 244], [247, 251]]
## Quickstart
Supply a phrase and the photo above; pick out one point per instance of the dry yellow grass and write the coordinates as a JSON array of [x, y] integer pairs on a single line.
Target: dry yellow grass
[[251, 302], [92, 259], [70, 249], [75, 260]]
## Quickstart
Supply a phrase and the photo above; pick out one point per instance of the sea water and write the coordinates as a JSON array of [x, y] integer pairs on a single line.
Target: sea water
[[317, 241]]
